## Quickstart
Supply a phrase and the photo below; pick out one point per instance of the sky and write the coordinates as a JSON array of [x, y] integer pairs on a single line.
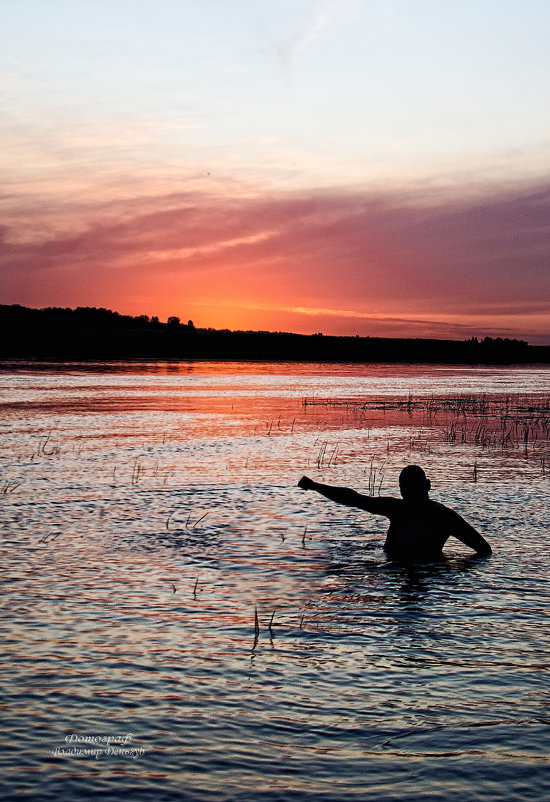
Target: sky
[[370, 167]]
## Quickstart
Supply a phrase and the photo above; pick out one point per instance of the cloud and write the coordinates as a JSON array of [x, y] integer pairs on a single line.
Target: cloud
[[320, 21], [326, 14], [420, 257]]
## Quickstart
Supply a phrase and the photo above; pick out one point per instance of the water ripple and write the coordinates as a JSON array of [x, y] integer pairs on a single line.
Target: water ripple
[[157, 516]]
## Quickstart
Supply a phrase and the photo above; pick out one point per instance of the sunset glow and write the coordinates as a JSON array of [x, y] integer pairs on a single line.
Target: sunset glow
[[339, 167]]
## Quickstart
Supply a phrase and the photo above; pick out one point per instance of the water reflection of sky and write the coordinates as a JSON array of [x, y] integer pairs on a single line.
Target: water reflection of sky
[[146, 531], [287, 379]]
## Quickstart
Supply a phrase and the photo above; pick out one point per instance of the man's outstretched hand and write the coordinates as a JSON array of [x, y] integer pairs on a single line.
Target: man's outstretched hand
[[305, 483]]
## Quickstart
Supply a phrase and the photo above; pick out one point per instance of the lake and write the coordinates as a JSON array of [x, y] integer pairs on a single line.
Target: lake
[[181, 622]]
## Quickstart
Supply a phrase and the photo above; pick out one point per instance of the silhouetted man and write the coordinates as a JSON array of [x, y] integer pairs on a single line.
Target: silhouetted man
[[419, 527]]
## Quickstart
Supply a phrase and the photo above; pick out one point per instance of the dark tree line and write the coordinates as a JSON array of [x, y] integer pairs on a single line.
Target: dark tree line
[[83, 317], [92, 333]]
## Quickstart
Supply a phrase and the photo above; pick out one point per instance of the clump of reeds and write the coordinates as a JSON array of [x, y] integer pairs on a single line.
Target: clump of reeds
[[325, 458], [8, 486], [188, 522], [419, 442], [43, 448], [375, 479], [49, 536], [499, 421], [137, 471], [256, 628]]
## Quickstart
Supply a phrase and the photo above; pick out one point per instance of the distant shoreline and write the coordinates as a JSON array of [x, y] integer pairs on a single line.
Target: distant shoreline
[[90, 334]]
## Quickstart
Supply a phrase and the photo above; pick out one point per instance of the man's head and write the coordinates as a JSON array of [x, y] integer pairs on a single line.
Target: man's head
[[413, 484]]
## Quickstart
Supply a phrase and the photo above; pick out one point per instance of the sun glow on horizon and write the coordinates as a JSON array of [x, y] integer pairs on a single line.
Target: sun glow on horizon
[[303, 167]]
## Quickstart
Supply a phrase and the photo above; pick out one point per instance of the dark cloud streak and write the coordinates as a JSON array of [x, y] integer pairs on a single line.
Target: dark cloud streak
[[487, 253]]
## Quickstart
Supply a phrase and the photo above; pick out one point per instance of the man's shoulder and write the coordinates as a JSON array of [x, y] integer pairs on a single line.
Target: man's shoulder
[[385, 505], [437, 505], [444, 512], [440, 508]]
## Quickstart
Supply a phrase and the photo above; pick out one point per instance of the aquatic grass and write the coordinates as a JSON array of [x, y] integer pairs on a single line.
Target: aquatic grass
[[375, 479], [490, 422], [188, 524], [9, 486], [49, 537], [137, 472], [419, 442], [459, 405], [197, 522], [324, 460], [256, 628], [321, 456], [43, 450], [365, 615]]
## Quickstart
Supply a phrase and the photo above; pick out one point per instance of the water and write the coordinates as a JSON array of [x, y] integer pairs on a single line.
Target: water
[[148, 510]]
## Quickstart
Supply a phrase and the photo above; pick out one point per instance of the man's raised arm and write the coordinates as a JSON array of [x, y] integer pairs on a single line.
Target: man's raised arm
[[343, 495]]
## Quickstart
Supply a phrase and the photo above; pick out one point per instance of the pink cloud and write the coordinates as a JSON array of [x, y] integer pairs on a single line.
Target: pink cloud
[[471, 264]]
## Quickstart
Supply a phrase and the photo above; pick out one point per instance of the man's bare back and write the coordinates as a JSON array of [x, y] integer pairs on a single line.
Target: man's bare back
[[419, 527]]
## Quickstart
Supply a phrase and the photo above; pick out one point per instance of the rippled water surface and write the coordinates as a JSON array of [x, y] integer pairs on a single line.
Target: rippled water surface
[[166, 584]]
